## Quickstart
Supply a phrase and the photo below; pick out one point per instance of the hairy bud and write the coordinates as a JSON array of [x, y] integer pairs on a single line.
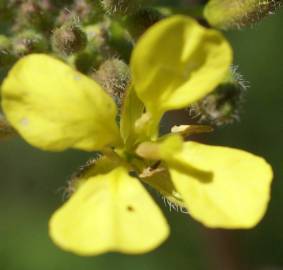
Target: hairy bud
[[35, 14], [139, 22], [227, 14], [121, 7], [96, 51], [85, 11], [222, 106], [114, 76], [28, 42], [69, 39]]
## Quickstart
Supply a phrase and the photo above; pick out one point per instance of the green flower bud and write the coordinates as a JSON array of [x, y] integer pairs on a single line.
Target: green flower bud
[[107, 40], [98, 48], [28, 42], [69, 39], [139, 22], [34, 14], [85, 11], [223, 105], [120, 41], [226, 14], [121, 7], [86, 61], [96, 51], [114, 76]]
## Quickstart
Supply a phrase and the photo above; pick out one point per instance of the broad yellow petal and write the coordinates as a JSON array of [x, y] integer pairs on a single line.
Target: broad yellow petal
[[234, 196], [54, 107], [111, 212], [176, 62]]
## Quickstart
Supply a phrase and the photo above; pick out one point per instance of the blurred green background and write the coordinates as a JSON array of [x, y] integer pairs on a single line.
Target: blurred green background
[[32, 184]]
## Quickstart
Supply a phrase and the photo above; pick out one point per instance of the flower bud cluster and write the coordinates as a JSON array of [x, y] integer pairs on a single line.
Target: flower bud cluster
[[97, 37]]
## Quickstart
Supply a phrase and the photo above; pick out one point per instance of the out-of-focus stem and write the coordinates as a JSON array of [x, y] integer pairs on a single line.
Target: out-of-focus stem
[[222, 250]]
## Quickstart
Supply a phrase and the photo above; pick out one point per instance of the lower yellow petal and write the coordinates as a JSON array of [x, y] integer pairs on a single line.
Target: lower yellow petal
[[111, 212], [236, 195]]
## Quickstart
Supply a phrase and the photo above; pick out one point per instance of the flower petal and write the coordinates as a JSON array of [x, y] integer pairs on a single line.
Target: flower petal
[[177, 62], [162, 149], [237, 194], [54, 107], [132, 110], [111, 212]]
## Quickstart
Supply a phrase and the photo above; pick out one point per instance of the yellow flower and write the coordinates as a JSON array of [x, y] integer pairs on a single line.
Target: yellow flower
[[174, 64]]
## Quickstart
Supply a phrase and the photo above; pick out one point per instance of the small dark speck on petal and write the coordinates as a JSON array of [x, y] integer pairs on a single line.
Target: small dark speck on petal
[[130, 208]]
